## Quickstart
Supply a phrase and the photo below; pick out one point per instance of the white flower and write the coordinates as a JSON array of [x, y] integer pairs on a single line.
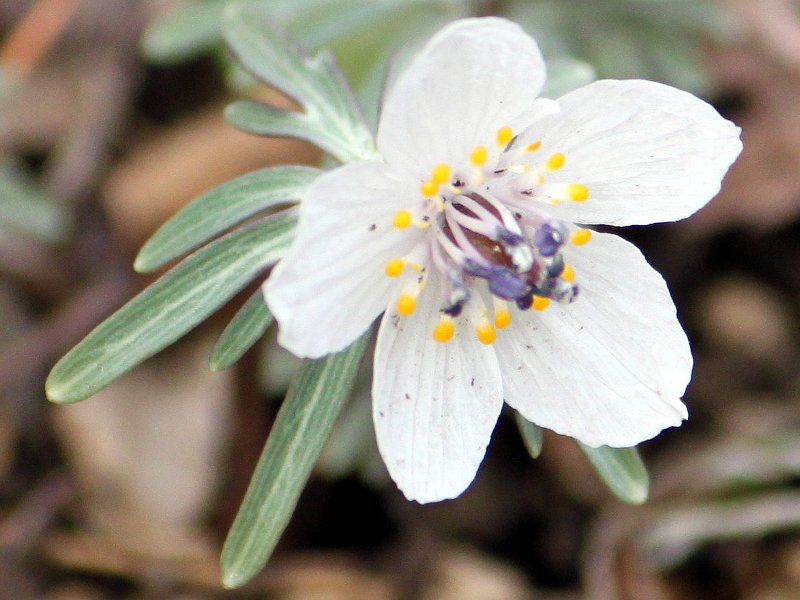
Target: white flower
[[464, 234]]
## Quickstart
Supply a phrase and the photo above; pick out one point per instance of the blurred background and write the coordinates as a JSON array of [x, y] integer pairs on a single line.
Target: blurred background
[[111, 120]]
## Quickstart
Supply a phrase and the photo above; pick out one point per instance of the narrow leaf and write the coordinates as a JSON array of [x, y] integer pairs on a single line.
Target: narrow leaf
[[623, 471], [184, 32], [219, 209], [531, 435], [301, 428], [170, 307], [23, 207], [333, 118], [242, 332]]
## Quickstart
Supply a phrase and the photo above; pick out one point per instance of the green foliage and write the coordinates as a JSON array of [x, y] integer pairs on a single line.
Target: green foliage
[[295, 442], [242, 332], [221, 208], [622, 470], [330, 118], [531, 435], [25, 210], [169, 308], [184, 32]]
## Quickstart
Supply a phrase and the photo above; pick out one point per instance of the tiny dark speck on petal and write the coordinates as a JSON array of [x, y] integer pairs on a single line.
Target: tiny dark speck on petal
[[472, 383], [372, 227], [381, 414], [451, 378], [529, 347], [408, 397]]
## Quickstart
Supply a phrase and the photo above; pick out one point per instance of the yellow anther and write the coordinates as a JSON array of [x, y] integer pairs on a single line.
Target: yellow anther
[[540, 302], [417, 267], [406, 304], [479, 156], [444, 330], [577, 192], [486, 333], [402, 219], [429, 188], [441, 173], [568, 274], [534, 146], [580, 236], [556, 161], [394, 267], [502, 318], [504, 135]]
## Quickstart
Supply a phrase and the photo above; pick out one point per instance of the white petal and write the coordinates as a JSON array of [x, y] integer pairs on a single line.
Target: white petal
[[473, 77], [608, 369], [647, 152], [434, 405], [332, 284]]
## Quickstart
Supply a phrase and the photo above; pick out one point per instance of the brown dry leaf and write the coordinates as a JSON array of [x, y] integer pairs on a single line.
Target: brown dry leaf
[[167, 170], [147, 450], [462, 574], [762, 188]]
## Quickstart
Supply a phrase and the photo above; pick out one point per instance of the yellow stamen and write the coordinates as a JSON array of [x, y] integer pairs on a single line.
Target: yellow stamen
[[416, 266], [479, 156], [568, 274], [406, 304], [402, 219], [444, 330], [580, 236], [441, 173], [577, 192], [540, 302], [534, 146], [502, 318], [486, 333], [556, 161], [429, 188], [504, 135], [394, 267]]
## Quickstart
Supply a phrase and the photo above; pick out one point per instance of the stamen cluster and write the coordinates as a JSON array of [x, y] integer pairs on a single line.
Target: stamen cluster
[[491, 247]]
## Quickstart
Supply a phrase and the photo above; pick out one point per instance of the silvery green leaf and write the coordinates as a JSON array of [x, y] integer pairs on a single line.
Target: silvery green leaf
[[622, 470], [168, 308], [565, 74], [24, 209], [244, 330], [221, 208], [531, 435], [184, 32], [331, 117], [295, 442]]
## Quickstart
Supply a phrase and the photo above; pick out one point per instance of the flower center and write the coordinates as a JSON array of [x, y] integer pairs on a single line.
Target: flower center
[[488, 251]]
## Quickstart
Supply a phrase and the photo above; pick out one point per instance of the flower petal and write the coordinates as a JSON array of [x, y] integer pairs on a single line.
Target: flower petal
[[608, 369], [434, 405], [473, 77], [647, 152], [331, 285]]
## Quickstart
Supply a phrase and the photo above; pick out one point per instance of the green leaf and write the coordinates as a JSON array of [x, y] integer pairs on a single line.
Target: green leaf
[[170, 307], [219, 209], [184, 32], [242, 332], [531, 435], [23, 208], [622, 470], [331, 118], [295, 442]]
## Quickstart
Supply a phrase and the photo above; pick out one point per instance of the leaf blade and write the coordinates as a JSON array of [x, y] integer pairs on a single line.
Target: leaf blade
[[244, 330], [623, 471], [531, 435], [220, 208], [331, 112], [168, 308], [301, 428]]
